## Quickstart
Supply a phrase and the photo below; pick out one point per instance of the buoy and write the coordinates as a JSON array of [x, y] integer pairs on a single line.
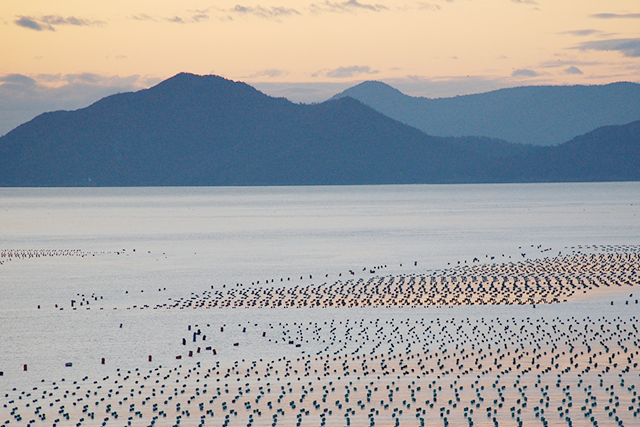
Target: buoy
[[214, 352], [178, 357], [190, 353], [68, 364], [150, 358], [24, 367], [102, 361]]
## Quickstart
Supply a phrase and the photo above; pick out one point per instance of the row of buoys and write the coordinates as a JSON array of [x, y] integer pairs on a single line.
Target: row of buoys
[[442, 362], [102, 361]]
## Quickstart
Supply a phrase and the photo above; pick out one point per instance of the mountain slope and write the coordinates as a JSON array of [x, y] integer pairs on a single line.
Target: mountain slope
[[539, 115], [609, 153], [206, 130]]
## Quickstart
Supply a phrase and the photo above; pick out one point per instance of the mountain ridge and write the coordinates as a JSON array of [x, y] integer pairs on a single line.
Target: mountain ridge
[[538, 115], [207, 130]]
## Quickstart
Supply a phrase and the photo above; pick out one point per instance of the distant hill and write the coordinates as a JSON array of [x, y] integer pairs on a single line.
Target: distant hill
[[206, 130], [610, 153], [538, 115]]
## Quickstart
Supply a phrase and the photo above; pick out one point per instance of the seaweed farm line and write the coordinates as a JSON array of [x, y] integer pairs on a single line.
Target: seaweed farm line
[[551, 341]]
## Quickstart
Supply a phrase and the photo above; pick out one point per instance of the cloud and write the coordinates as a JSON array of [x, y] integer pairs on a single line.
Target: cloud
[[628, 47], [193, 19], [200, 16], [24, 97], [573, 70], [17, 79], [197, 16], [524, 72], [26, 22], [428, 6], [272, 72], [616, 16], [349, 6], [274, 12], [143, 17], [567, 62], [525, 1], [49, 22], [346, 72], [581, 33]]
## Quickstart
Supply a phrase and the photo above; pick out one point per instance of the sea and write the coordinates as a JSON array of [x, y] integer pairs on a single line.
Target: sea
[[85, 272]]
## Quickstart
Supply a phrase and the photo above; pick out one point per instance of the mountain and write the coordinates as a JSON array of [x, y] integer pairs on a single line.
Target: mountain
[[205, 130], [609, 153], [538, 115]]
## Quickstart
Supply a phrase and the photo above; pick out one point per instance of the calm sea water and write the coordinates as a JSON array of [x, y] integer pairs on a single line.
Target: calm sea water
[[143, 246]]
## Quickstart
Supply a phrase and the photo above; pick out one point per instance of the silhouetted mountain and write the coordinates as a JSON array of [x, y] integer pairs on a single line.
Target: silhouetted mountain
[[610, 153], [206, 130], [539, 115]]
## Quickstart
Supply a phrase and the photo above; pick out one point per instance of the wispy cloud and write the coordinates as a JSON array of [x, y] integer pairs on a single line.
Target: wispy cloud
[[581, 33], [202, 15], [616, 16], [271, 72], [143, 17], [628, 47], [524, 72], [567, 62], [49, 22], [276, 13], [525, 1], [193, 17], [348, 6], [347, 72], [428, 6], [273, 13]]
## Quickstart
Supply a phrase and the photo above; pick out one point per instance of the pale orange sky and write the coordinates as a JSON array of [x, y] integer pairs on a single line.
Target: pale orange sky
[[308, 50]]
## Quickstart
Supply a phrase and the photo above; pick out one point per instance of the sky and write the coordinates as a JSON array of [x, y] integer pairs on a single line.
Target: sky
[[66, 54]]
